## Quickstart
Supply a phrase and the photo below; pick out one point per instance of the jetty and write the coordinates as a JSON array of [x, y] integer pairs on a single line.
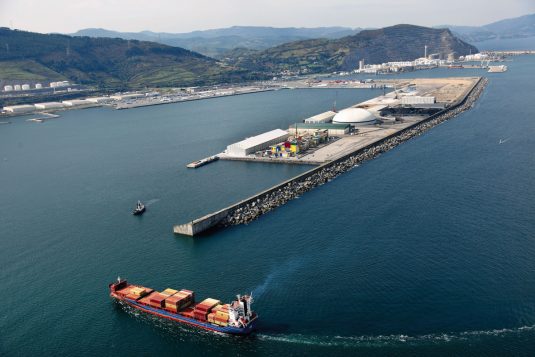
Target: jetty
[[251, 208]]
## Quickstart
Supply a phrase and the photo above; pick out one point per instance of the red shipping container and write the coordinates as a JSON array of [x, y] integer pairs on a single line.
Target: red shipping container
[[157, 298], [187, 314]]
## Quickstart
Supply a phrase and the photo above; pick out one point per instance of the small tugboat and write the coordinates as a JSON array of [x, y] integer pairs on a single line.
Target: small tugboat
[[140, 208]]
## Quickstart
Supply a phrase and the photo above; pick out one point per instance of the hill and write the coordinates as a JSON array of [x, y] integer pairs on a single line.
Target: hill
[[216, 42], [519, 27], [395, 43], [107, 62]]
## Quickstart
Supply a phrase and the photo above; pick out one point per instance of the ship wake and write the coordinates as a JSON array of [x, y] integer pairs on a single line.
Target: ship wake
[[396, 340]]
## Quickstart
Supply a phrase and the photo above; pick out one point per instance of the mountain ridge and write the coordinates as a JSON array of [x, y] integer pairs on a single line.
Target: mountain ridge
[[512, 28], [215, 42], [394, 43]]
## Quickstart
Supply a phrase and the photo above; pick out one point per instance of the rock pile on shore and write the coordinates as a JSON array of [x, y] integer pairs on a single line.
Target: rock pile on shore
[[327, 172]]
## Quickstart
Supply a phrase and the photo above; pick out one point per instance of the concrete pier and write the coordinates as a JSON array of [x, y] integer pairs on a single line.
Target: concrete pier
[[251, 208]]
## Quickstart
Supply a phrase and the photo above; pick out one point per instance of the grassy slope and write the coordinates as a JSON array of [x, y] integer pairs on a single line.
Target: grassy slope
[[27, 70]]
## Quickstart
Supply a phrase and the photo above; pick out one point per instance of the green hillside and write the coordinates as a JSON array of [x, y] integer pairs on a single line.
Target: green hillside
[[395, 43], [106, 62]]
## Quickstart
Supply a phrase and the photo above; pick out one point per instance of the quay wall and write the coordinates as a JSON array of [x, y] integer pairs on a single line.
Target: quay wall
[[251, 208]]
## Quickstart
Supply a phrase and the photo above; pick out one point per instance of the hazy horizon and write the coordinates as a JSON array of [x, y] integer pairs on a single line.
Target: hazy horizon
[[178, 16]]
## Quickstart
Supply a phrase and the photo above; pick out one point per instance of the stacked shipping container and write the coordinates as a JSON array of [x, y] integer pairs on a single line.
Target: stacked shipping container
[[179, 300], [209, 310], [203, 308], [219, 315]]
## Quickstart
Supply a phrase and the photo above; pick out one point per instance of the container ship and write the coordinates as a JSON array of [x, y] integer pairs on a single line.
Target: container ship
[[235, 318]]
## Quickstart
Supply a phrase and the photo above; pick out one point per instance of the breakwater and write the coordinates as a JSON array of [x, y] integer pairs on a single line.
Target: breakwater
[[251, 208]]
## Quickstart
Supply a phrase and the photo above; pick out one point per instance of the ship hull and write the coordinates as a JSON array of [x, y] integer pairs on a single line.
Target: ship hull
[[185, 320], [138, 213]]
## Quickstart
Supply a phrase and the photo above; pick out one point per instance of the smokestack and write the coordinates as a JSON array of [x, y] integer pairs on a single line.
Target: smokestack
[[425, 51]]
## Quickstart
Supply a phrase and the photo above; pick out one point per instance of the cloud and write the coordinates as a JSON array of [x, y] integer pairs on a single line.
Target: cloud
[[182, 16]]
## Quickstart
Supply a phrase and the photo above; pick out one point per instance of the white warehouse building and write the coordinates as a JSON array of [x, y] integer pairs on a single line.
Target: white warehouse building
[[257, 143], [326, 117], [416, 99], [16, 109], [76, 102], [49, 105]]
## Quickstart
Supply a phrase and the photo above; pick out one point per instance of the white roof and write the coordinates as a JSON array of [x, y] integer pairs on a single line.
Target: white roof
[[49, 104], [21, 106], [260, 139], [353, 115], [322, 116]]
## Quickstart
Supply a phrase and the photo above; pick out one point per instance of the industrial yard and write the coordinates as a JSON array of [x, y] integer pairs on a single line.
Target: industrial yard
[[406, 121], [328, 136]]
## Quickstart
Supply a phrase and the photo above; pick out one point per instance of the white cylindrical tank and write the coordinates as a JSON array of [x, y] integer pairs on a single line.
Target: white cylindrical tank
[[17, 87], [25, 87], [8, 88], [53, 84], [38, 86]]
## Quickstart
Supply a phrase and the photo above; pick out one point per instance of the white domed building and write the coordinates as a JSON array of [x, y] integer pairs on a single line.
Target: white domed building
[[355, 117]]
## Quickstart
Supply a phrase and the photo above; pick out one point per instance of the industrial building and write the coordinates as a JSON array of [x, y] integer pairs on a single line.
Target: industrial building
[[310, 128], [98, 100], [354, 116], [127, 96], [16, 109], [49, 105], [59, 84], [326, 117], [416, 99], [257, 143], [76, 102]]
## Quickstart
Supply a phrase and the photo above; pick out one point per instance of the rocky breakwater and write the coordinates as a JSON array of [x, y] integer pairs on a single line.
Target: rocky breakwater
[[287, 191]]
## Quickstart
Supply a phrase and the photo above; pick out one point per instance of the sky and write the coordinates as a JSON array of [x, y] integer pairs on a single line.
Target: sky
[[68, 16]]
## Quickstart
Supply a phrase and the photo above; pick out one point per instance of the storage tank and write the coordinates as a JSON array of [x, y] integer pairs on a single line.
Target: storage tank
[[354, 116], [8, 88], [17, 87], [38, 86], [25, 87]]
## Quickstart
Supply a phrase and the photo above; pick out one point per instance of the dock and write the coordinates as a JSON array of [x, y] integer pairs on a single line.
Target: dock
[[251, 208], [44, 116], [202, 162], [151, 101]]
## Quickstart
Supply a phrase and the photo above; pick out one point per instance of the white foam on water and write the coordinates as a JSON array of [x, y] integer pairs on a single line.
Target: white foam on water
[[150, 202], [393, 340], [282, 270]]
